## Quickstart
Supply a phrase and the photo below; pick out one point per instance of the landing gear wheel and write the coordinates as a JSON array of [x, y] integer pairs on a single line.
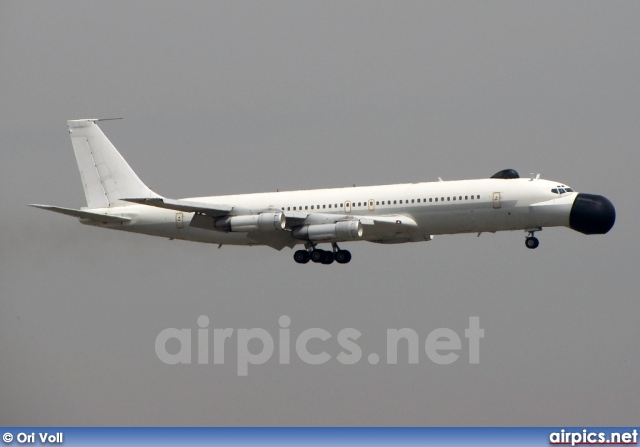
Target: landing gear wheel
[[532, 242], [343, 256], [317, 255], [327, 258], [301, 256]]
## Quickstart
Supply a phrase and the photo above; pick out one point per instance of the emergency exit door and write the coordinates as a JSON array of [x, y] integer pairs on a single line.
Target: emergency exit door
[[497, 200]]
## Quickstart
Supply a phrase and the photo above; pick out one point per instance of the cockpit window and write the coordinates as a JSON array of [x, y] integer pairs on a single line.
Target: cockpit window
[[561, 190]]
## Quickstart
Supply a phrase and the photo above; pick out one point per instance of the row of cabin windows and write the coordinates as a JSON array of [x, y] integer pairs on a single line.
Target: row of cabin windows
[[388, 202]]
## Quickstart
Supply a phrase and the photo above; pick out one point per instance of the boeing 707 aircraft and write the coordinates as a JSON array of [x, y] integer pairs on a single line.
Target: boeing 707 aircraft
[[386, 214]]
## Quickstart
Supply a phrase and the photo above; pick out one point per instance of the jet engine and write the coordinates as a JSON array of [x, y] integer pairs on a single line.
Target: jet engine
[[340, 231], [257, 222]]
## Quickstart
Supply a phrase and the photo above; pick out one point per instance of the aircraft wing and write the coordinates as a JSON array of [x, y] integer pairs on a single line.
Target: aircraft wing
[[391, 229], [186, 206], [82, 214], [295, 218], [274, 239], [397, 221]]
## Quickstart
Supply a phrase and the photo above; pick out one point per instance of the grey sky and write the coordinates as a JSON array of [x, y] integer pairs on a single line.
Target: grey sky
[[230, 97]]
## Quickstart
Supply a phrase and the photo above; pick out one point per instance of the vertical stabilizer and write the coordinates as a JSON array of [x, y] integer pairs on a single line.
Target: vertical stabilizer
[[106, 176]]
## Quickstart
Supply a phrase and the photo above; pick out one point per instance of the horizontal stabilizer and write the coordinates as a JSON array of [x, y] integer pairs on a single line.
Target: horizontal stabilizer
[[184, 205], [98, 217]]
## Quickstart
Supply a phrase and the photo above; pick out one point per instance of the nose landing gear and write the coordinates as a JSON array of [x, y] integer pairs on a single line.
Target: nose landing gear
[[531, 241]]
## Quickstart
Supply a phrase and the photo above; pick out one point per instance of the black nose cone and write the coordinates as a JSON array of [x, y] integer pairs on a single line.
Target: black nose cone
[[592, 214]]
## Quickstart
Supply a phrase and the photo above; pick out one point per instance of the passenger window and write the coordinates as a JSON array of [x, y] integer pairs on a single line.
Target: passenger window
[[436, 199], [395, 201], [454, 197], [460, 198], [311, 206], [306, 207], [413, 201], [294, 208], [418, 200], [448, 199], [466, 197], [430, 199], [324, 206], [288, 208]]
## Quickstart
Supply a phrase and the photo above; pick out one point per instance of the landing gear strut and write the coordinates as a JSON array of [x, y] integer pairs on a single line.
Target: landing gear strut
[[531, 241]]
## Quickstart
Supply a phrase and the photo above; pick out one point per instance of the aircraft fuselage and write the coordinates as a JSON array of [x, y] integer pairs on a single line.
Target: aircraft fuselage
[[386, 214], [447, 207]]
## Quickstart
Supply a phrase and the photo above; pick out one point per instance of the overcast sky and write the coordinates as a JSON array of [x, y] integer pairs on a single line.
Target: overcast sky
[[234, 97]]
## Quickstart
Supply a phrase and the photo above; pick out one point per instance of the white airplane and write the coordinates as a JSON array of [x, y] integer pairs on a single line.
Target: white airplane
[[386, 214]]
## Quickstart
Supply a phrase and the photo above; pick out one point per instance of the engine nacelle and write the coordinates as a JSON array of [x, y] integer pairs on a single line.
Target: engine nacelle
[[254, 222], [340, 231]]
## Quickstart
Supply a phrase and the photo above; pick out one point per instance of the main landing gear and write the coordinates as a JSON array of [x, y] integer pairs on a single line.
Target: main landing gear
[[322, 256], [531, 241]]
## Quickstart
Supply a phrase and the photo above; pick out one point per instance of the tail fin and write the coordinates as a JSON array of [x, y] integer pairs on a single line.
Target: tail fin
[[106, 176]]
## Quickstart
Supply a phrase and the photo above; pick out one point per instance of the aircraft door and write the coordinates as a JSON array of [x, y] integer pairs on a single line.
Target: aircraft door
[[347, 207], [179, 220], [497, 201], [372, 205]]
